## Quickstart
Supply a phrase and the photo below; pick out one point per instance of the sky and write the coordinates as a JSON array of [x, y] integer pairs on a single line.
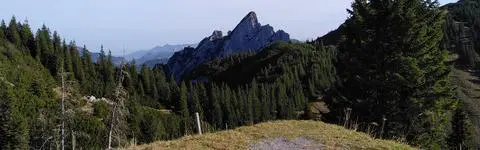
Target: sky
[[142, 24]]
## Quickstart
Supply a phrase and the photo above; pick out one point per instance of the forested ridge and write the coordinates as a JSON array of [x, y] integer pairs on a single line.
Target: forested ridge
[[384, 72]]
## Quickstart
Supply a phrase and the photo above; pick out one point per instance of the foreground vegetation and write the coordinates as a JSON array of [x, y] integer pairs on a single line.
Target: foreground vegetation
[[330, 136]]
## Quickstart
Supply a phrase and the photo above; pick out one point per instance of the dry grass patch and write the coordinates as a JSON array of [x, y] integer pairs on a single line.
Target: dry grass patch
[[331, 136]]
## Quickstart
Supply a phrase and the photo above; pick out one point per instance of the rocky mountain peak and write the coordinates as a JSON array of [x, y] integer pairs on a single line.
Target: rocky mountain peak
[[249, 23], [216, 35], [250, 19], [248, 36]]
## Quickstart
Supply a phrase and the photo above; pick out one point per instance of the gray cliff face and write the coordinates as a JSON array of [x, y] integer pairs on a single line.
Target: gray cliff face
[[248, 36]]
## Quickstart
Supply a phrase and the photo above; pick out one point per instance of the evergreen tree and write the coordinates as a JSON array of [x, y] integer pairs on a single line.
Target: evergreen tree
[[145, 76], [56, 56], [39, 45], [393, 65], [102, 58], [182, 106], [462, 131], [256, 104], [28, 41], [203, 98], [215, 110], [13, 125], [249, 116], [76, 62], [162, 86], [45, 50], [134, 77], [89, 85], [235, 108], [67, 60], [12, 33], [110, 74], [228, 113], [282, 101], [265, 103], [3, 29], [274, 103], [196, 105], [175, 95]]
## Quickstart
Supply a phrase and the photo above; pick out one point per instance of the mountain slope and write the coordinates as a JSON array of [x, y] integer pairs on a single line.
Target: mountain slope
[[463, 31], [270, 63], [248, 36], [326, 135], [27, 101], [468, 90]]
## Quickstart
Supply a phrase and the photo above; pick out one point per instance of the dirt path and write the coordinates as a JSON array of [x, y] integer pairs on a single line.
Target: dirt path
[[282, 143]]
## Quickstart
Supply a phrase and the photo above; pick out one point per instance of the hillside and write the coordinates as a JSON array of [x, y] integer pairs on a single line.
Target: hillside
[[468, 91], [271, 63], [327, 135], [26, 99]]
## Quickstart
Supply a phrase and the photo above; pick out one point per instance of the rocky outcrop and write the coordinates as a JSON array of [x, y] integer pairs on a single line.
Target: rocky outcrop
[[248, 36]]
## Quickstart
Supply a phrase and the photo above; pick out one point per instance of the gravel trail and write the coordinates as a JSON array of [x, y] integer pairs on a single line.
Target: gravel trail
[[281, 143]]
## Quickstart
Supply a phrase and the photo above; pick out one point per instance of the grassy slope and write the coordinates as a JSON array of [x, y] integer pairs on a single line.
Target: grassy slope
[[469, 91], [331, 136]]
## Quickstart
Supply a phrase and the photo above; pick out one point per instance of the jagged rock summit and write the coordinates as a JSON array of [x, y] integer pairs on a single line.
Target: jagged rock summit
[[248, 36]]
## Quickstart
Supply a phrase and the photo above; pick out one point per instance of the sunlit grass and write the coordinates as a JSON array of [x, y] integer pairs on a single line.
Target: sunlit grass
[[331, 136]]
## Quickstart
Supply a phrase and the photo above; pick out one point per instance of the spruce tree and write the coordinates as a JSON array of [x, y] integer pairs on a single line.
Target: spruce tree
[[12, 32], [196, 105], [182, 105], [265, 103], [462, 131], [203, 98], [215, 109], [256, 104], [274, 102], [89, 85], [282, 101], [250, 99], [76, 62], [56, 56], [393, 64], [3, 29], [26, 35], [134, 76], [226, 106], [162, 85], [13, 125], [109, 74], [67, 59], [145, 74]]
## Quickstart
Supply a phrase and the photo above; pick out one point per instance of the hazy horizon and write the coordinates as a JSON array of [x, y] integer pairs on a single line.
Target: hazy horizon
[[144, 24]]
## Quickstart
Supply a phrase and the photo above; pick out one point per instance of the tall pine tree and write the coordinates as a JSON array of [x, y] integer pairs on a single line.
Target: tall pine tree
[[12, 32], [393, 65]]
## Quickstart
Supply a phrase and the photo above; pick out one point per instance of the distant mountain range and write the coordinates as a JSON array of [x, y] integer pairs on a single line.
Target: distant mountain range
[[248, 36], [151, 57], [158, 54]]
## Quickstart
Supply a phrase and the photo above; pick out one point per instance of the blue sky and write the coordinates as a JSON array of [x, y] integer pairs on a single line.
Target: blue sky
[[142, 24]]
